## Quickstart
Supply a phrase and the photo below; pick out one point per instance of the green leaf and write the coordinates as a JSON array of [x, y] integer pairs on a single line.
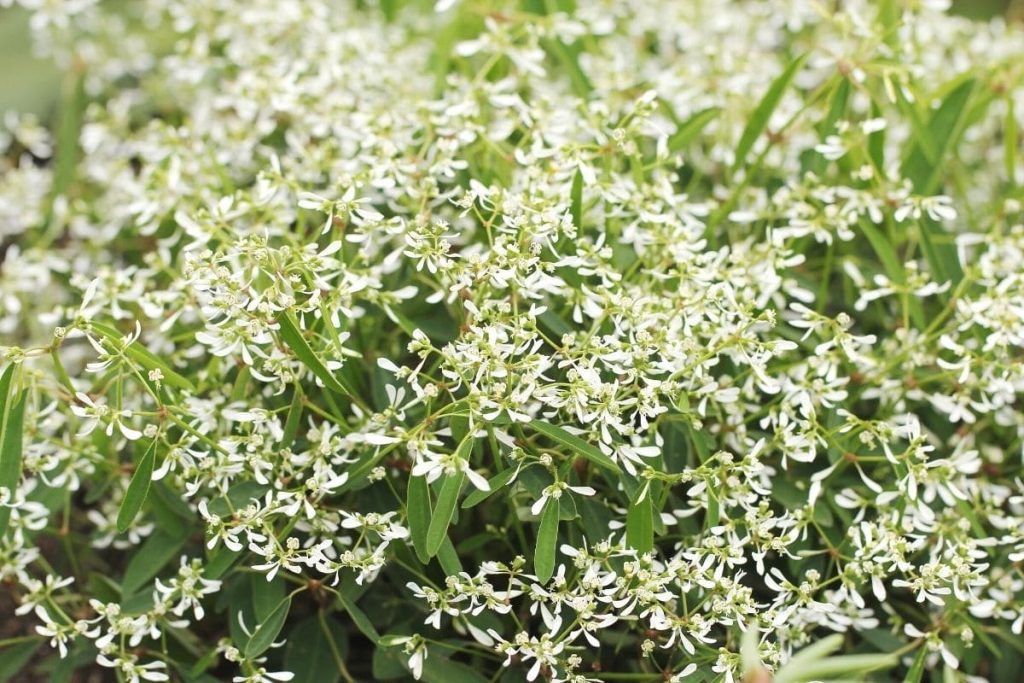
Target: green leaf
[[443, 511], [308, 653], [1010, 142], [714, 510], [693, 126], [576, 195], [418, 515], [640, 522], [448, 558], [574, 442], [569, 57], [893, 268], [148, 560], [138, 489], [359, 618], [495, 483], [922, 167], [294, 340], [763, 112], [12, 417], [440, 669], [14, 657], [291, 423], [264, 635], [142, 356], [824, 669], [916, 671], [547, 541]]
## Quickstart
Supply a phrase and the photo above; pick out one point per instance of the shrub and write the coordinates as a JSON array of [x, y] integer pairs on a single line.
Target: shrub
[[552, 340]]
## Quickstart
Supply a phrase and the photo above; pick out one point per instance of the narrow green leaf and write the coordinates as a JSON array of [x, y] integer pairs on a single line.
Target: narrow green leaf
[[418, 515], [576, 198], [574, 442], [763, 112], [916, 671], [876, 141], [291, 423], [495, 483], [443, 511], [138, 489], [1011, 142], [893, 268], [359, 618], [264, 635], [12, 417], [142, 356], [569, 58], [547, 541], [691, 128], [640, 523], [294, 340]]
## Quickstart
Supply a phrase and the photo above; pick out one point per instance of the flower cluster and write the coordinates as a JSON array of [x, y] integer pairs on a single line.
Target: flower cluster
[[574, 341]]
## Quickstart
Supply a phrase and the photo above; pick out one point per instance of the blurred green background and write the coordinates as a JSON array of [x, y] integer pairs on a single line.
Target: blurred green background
[[33, 85]]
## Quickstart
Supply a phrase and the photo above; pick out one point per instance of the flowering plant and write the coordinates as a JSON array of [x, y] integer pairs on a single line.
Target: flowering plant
[[535, 340]]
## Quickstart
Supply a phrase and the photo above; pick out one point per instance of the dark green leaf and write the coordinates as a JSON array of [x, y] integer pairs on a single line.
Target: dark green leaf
[[359, 618], [14, 657], [309, 654], [294, 340], [148, 560], [495, 483], [265, 633], [447, 499], [574, 442]]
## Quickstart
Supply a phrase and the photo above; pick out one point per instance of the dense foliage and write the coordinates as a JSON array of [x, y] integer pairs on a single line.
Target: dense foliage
[[553, 340]]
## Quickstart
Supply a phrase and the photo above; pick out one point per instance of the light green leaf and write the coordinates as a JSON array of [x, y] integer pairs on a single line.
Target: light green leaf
[[142, 356], [640, 523], [138, 489], [691, 128], [763, 112]]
